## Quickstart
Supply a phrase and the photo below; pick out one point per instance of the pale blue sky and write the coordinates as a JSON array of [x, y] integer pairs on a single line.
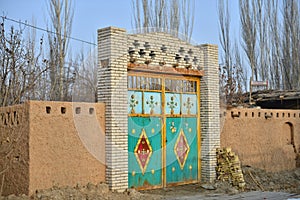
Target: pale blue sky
[[90, 15]]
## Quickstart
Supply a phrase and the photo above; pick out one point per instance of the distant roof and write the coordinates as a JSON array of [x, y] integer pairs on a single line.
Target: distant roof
[[275, 99]]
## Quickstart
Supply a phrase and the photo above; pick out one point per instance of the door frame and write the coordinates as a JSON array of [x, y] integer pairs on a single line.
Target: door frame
[[174, 74]]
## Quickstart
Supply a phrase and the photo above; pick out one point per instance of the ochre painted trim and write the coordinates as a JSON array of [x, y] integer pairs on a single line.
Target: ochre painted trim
[[199, 130], [164, 70]]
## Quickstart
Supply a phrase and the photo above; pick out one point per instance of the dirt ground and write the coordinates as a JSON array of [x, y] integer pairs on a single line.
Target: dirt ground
[[256, 180]]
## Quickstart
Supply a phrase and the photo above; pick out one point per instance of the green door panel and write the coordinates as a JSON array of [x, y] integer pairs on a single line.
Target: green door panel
[[181, 150], [144, 149]]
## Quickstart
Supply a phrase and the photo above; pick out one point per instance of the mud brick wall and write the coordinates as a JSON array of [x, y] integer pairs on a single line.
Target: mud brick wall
[[14, 149], [264, 138], [116, 49], [66, 144], [54, 144]]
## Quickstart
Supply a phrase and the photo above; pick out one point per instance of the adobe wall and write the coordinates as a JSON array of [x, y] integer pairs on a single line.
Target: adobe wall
[[264, 138], [14, 150], [46, 144], [66, 144]]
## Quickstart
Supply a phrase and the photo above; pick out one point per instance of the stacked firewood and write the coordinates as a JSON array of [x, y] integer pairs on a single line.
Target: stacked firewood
[[229, 167]]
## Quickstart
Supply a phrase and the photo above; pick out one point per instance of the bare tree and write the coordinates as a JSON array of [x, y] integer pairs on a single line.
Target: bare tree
[[291, 44], [85, 86], [249, 33], [274, 47], [261, 23], [174, 17], [136, 15], [233, 71], [160, 15], [147, 15], [61, 14], [240, 71], [20, 67], [36, 65], [26, 74], [188, 13], [159, 19], [224, 37]]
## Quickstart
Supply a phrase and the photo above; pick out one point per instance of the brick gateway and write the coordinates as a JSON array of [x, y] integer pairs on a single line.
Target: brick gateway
[[120, 56]]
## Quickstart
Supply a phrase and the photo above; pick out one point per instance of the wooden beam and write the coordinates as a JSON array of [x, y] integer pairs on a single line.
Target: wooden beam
[[164, 70]]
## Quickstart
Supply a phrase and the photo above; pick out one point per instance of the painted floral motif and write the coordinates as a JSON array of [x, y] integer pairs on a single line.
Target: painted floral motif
[[172, 104], [152, 104], [132, 103], [173, 127], [188, 104]]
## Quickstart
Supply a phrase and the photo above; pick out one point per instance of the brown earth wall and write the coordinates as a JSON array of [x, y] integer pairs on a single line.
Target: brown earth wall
[[14, 149], [264, 138], [46, 144], [67, 144]]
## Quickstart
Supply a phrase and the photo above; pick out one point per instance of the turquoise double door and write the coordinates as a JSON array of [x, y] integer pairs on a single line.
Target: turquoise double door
[[163, 139]]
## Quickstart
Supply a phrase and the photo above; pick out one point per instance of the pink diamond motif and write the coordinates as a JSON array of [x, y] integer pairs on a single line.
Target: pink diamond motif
[[181, 149], [143, 151]]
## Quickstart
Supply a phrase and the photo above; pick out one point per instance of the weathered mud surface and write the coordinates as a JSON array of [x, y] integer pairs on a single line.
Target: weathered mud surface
[[256, 180]]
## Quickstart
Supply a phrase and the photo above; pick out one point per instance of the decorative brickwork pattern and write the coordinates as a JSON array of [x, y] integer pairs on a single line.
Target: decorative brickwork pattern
[[162, 49]]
